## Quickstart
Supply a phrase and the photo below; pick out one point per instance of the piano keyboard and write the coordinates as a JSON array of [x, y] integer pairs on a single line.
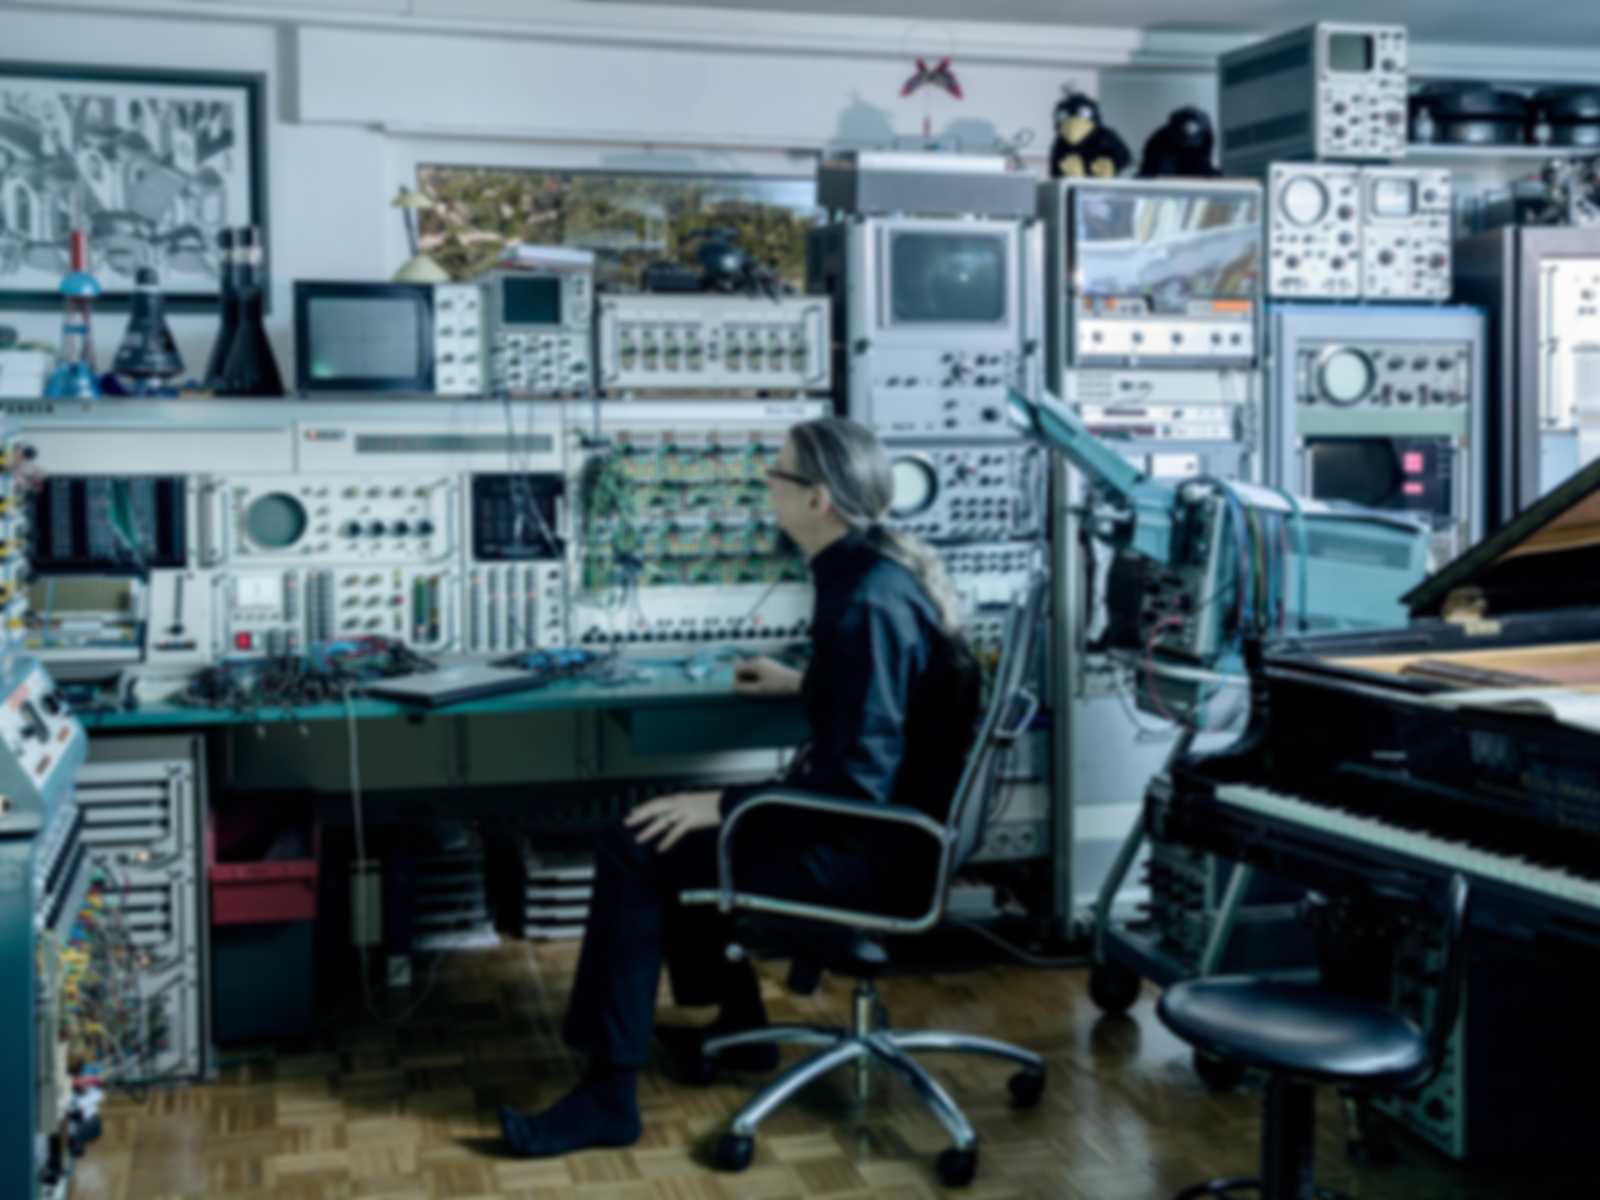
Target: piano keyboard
[[1442, 852]]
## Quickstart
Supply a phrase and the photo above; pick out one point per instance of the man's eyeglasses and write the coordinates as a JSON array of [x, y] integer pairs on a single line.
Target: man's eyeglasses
[[791, 477]]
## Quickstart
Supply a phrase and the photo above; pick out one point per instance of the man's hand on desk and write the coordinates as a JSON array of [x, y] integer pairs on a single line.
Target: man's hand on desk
[[765, 677], [674, 816]]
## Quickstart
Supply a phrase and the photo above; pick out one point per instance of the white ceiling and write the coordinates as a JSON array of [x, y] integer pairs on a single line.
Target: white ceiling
[[1567, 23]]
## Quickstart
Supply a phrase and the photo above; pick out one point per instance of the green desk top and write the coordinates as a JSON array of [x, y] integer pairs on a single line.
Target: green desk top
[[657, 694]]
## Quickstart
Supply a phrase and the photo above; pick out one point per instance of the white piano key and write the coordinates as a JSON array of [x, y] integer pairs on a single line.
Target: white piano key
[[1439, 851]]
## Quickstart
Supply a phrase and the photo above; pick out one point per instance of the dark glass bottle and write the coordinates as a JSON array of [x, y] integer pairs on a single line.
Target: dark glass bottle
[[148, 351], [251, 369], [228, 324]]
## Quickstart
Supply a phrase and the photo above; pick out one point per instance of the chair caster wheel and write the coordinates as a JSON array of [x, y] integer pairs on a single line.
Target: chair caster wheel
[[1026, 1088], [1113, 987], [957, 1167], [1218, 1074], [734, 1151]]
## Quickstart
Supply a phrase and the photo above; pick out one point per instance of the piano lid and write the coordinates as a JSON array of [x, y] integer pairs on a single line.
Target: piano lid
[[1546, 557]]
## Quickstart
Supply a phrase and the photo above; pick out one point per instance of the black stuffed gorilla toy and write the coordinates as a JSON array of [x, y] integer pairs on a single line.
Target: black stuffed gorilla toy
[[1180, 147], [1083, 146]]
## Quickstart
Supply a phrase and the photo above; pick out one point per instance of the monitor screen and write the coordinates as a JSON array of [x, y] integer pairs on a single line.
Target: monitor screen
[[365, 337], [1168, 249], [1397, 474], [533, 301], [947, 278], [1350, 52], [1392, 197]]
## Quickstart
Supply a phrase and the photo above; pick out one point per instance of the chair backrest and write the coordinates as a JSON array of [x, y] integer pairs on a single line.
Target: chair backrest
[[1007, 712]]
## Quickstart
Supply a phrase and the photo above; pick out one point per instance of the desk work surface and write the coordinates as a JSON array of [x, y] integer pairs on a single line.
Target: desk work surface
[[657, 699]]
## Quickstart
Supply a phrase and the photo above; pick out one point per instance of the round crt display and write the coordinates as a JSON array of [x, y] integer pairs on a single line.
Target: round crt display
[[1304, 200], [1345, 376], [914, 486], [275, 521]]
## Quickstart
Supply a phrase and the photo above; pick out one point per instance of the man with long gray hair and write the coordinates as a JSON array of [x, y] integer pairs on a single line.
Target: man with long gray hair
[[891, 695]]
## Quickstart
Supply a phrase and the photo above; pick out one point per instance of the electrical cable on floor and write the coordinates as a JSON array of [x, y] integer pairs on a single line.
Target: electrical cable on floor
[[1016, 951], [353, 741]]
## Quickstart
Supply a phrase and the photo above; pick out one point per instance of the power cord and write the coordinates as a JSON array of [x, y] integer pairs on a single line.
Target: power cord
[[357, 817], [1025, 957]]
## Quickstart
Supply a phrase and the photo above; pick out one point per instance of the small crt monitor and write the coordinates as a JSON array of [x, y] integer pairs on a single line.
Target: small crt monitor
[[1351, 53], [937, 277], [1390, 197], [363, 337], [530, 301]]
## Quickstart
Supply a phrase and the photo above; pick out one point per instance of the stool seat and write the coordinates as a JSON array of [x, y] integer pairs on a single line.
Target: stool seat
[[1296, 1030]]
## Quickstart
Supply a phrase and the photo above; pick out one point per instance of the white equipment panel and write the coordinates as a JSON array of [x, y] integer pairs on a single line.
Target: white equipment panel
[[701, 342]]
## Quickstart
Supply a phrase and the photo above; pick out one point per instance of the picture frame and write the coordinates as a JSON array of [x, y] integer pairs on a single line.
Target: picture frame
[[150, 163], [627, 218]]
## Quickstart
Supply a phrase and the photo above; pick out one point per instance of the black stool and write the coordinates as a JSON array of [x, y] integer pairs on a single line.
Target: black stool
[[1302, 1035]]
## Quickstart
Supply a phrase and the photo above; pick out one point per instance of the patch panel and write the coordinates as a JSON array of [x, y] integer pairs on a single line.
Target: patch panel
[[515, 606], [277, 612]]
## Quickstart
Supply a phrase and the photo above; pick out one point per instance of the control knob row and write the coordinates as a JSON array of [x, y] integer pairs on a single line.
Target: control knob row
[[355, 529]]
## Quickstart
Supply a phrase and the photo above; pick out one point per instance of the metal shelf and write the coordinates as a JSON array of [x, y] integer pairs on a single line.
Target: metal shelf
[[1444, 152]]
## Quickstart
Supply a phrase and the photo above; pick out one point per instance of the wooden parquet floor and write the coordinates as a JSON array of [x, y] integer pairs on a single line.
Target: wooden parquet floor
[[408, 1113]]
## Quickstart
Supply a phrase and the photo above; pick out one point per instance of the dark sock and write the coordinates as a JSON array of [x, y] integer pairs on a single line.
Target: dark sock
[[603, 1110], [616, 1088]]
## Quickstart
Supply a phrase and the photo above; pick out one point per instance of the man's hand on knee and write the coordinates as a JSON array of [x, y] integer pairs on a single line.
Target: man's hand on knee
[[670, 817]]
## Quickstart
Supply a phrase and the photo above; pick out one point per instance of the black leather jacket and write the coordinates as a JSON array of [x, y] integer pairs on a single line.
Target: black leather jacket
[[890, 698]]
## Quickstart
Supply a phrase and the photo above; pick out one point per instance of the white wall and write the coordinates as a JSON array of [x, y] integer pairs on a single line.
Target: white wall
[[362, 91], [353, 111], [320, 177]]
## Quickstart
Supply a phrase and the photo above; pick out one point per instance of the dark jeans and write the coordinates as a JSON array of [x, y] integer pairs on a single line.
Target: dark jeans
[[635, 921]]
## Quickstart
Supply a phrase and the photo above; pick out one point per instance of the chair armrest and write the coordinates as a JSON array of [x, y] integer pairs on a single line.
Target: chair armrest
[[728, 899], [1007, 737], [730, 902]]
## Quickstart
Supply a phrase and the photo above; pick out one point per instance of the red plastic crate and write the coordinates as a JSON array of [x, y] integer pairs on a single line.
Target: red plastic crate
[[255, 893]]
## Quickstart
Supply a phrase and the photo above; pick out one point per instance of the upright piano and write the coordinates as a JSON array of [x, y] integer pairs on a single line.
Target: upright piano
[[1378, 764]]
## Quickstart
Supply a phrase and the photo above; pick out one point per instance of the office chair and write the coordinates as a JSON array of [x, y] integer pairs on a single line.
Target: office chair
[[843, 941], [1303, 1035]]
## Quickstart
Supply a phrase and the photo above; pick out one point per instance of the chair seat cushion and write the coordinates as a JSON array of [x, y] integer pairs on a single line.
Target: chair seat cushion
[[835, 948], [1296, 1029]]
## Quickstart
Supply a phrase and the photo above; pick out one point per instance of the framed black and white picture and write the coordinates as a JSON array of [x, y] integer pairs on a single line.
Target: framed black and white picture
[[150, 164]]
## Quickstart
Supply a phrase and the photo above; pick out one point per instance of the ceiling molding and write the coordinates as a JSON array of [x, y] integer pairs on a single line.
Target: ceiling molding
[[711, 29], [731, 30]]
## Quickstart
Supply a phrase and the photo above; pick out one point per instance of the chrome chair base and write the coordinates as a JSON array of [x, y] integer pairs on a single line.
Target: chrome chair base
[[866, 1042]]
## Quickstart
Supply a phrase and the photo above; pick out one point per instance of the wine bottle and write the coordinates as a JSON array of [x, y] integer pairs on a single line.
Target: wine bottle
[[228, 303], [251, 368]]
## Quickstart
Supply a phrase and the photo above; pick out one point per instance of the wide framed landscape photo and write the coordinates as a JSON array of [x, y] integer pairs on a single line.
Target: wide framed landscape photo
[[150, 164]]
